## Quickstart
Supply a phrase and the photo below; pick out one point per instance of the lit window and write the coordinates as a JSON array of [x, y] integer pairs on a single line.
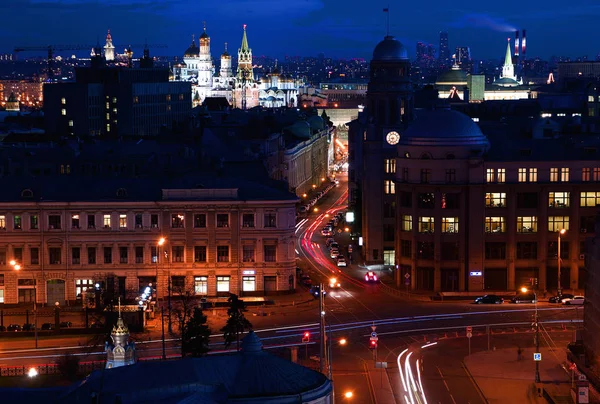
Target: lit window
[[389, 187], [107, 115], [590, 199], [449, 225], [63, 101], [501, 177], [115, 110], [107, 105], [177, 220], [106, 221], [527, 224], [390, 166], [168, 97], [114, 100], [495, 224], [564, 174], [82, 285], [201, 285], [554, 175], [2, 222], [489, 175], [122, 221], [222, 283], [559, 199], [596, 177], [71, 123], [522, 175], [533, 175], [108, 127], [426, 224], [557, 223], [495, 200], [407, 224], [63, 111], [586, 174], [590, 98], [222, 253]]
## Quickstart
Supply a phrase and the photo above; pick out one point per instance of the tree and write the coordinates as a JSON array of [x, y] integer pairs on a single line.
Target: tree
[[195, 335], [236, 323]]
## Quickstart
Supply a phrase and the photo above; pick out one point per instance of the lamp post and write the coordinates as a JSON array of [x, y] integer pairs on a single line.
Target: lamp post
[[560, 233], [17, 267]]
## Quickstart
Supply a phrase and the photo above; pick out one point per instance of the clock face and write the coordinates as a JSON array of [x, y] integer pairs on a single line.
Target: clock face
[[392, 138]]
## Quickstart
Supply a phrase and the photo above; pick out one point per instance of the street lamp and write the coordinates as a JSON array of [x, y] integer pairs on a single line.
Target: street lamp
[[17, 267], [160, 243], [348, 394], [560, 233]]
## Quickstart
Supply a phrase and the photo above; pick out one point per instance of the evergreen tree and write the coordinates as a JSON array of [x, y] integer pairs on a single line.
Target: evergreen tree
[[236, 323], [195, 335]]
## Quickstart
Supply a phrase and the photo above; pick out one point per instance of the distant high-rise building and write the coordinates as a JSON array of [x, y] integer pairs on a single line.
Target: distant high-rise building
[[109, 48], [425, 55], [463, 55], [444, 55]]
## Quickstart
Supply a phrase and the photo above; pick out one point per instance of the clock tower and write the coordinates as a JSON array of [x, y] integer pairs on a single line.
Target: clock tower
[[373, 150]]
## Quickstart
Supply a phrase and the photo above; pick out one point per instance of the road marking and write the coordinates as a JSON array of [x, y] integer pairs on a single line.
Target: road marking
[[445, 384]]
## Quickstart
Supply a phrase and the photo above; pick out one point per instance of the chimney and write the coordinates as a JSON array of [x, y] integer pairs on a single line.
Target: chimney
[[523, 45], [517, 43]]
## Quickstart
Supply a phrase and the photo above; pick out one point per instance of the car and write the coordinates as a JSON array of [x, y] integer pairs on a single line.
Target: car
[[47, 326], [2, 328], [334, 246], [326, 232], [315, 290], [28, 327], [334, 253], [329, 241], [66, 324], [334, 283], [575, 300], [489, 299], [559, 298], [370, 277], [306, 281], [350, 248], [341, 261], [14, 328], [526, 297]]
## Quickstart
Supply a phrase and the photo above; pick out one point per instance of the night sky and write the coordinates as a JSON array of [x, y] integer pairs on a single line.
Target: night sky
[[338, 28]]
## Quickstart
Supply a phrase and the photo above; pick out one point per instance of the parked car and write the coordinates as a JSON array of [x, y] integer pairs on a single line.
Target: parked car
[[28, 327], [559, 298], [489, 299], [66, 324], [14, 328], [47, 326], [306, 281], [341, 261], [575, 300], [527, 297], [97, 325], [370, 277]]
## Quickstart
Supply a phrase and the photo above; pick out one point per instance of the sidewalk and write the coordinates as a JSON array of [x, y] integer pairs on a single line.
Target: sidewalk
[[504, 379], [379, 384]]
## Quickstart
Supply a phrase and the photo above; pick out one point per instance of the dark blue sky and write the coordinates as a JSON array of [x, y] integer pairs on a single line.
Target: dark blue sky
[[339, 28]]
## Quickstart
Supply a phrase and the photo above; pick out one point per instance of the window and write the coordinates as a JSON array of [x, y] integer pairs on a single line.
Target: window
[[177, 253], [590, 199], [404, 174], [81, 286], [533, 175], [495, 200], [390, 166], [425, 250], [554, 175], [389, 187], [33, 222], [106, 221], [450, 176], [154, 221], [406, 199], [63, 112], [199, 220], [74, 221], [407, 223], [557, 223], [596, 176], [54, 255], [426, 224], [34, 255], [586, 174], [18, 254], [122, 221], [201, 285], [389, 209], [553, 249], [559, 199], [248, 253], [223, 253], [222, 283], [489, 177], [522, 177], [200, 253], [564, 174], [123, 255], [3, 222], [450, 200], [587, 224], [501, 175], [388, 232], [527, 224], [154, 254], [527, 200], [270, 252], [177, 220], [495, 251], [406, 248], [63, 101], [526, 251], [17, 223], [71, 123], [449, 224], [91, 252], [425, 175], [270, 219], [108, 255], [178, 284], [54, 222], [222, 220], [449, 251], [426, 201], [91, 220], [139, 221], [139, 255], [248, 283], [75, 255], [495, 224]]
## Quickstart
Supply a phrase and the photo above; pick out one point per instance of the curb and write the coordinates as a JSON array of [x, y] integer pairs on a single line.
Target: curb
[[370, 384], [468, 372]]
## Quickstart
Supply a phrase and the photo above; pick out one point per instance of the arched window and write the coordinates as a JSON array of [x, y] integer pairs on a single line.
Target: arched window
[[426, 156], [27, 193]]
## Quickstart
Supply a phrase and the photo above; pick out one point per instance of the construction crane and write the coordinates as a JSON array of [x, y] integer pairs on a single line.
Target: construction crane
[[50, 49]]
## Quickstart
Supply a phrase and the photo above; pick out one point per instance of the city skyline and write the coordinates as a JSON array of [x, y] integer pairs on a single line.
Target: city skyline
[[305, 28]]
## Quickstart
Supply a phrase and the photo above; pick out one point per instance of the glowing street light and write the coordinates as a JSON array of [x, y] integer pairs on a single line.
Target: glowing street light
[[316, 209], [304, 195], [348, 394], [343, 341], [524, 289], [314, 186], [560, 233], [17, 267], [32, 372], [161, 241], [13, 263]]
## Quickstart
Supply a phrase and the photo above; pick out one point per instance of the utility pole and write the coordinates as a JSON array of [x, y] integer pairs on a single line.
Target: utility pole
[[162, 321], [321, 329], [537, 343]]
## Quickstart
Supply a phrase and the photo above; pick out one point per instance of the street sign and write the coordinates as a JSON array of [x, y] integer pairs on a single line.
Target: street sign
[[373, 327], [381, 365], [407, 275], [469, 335], [572, 366], [537, 356], [582, 377], [373, 334], [407, 281], [469, 329]]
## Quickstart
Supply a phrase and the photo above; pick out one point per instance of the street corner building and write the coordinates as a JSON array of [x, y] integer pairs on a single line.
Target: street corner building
[[66, 229], [453, 202]]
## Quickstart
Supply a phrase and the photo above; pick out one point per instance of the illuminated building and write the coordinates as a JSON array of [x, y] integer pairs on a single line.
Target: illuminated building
[[444, 55], [29, 93], [109, 48], [278, 90], [508, 78], [459, 205]]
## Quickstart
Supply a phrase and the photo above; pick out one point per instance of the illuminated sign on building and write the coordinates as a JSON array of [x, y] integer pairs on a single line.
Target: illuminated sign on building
[[475, 273], [349, 217], [250, 272]]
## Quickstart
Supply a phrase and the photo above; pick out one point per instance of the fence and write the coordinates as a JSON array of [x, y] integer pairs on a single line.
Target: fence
[[49, 369]]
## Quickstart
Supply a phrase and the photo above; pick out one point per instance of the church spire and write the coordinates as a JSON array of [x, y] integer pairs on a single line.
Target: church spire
[[245, 46], [508, 57]]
